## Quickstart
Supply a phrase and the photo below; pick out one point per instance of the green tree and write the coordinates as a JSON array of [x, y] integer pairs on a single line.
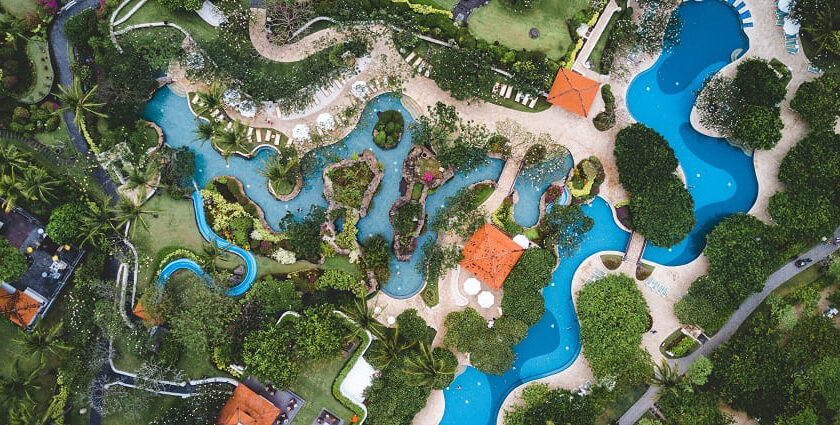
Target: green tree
[[18, 389], [201, 315], [341, 281], [42, 343], [813, 338], [37, 184], [305, 235], [275, 296], [758, 127], [75, 99], [360, 313], [642, 156], [319, 333], [10, 188], [412, 326], [564, 227], [804, 417], [64, 223], [692, 408], [431, 368], [390, 349], [801, 216], [492, 357], [188, 5], [667, 378], [268, 353], [759, 84], [739, 254], [13, 263], [543, 405], [824, 379], [663, 213], [127, 212], [810, 165], [12, 160], [707, 304], [698, 372], [817, 101]]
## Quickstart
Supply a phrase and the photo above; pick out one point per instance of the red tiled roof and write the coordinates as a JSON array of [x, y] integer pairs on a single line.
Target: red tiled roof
[[246, 407], [490, 255], [573, 92], [19, 307]]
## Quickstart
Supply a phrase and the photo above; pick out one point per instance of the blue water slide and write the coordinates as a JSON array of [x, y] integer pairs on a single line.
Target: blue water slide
[[212, 237]]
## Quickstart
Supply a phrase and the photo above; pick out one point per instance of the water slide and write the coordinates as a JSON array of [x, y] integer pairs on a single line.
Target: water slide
[[212, 237]]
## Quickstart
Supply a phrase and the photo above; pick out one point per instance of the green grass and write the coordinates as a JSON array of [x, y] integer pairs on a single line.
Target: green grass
[[158, 404], [315, 386], [444, 4], [416, 191], [19, 8], [511, 103], [623, 399], [802, 278], [267, 266], [497, 22], [483, 192], [611, 262], [58, 138], [153, 11], [194, 365], [42, 67], [598, 50]]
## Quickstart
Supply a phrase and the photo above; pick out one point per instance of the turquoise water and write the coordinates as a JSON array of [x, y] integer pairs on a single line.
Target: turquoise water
[[532, 183], [721, 179], [172, 114]]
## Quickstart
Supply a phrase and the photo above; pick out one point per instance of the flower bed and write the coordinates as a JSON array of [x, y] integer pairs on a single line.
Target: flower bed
[[586, 180]]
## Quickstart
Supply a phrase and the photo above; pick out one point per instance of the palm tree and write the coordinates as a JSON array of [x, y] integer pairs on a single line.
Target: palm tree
[[826, 31], [667, 378], [96, 222], [40, 342], [390, 349], [36, 184], [210, 100], [128, 211], [206, 130], [18, 388], [141, 177], [233, 140], [279, 167], [77, 100], [424, 369], [10, 188], [210, 254], [11, 159], [360, 313]]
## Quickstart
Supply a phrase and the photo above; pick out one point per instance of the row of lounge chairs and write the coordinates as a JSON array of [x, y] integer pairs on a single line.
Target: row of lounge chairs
[[218, 115], [506, 91], [417, 62], [657, 287]]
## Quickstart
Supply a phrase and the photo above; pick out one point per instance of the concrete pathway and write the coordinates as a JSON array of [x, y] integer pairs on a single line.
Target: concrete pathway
[[635, 249], [504, 186], [464, 8], [592, 40], [779, 277]]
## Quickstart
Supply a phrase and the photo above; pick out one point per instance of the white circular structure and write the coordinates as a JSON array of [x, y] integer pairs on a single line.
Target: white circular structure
[[472, 286], [486, 299], [522, 241], [248, 108], [300, 133], [791, 27], [785, 5], [232, 97], [325, 122], [391, 320], [360, 89]]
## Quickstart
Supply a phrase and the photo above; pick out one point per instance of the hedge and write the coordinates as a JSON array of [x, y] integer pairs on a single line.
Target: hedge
[[336, 386]]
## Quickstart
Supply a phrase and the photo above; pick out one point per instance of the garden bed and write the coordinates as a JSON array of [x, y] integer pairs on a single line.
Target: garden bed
[[586, 179], [678, 345], [352, 182], [643, 271], [611, 262]]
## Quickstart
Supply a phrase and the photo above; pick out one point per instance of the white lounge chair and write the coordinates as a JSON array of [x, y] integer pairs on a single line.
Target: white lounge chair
[[250, 131], [526, 98], [533, 102], [509, 92], [428, 71], [503, 90], [418, 61], [277, 139], [267, 135], [410, 57], [518, 96], [229, 125], [259, 137]]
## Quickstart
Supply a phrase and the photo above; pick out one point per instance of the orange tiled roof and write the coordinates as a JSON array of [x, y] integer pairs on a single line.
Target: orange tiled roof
[[573, 92], [490, 255], [19, 307], [246, 407]]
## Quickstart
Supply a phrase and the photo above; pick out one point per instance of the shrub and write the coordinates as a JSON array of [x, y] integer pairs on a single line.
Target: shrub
[[341, 281], [376, 257], [758, 83], [412, 326], [758, 127], [388, 129], [275, 296], [683, 347], [188, 5], [407, 217], [65, 223], [81, 27], [606, 119], [817, 102], [13, 263]]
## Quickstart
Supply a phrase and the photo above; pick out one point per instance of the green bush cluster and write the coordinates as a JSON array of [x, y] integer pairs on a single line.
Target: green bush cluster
[[35, 119], [661, 206], [388, 129], [606, 120], [523, 286], [350, 183], [586, 181]]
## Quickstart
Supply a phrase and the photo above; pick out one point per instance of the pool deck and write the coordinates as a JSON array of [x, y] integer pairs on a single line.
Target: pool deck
[[582, 139]]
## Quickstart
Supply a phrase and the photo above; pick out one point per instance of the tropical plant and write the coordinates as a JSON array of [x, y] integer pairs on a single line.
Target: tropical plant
[[10, 191], [206, 130], [11, 159], [209, 100], [667, 377], [17, 390], [41, 343], [426, 369], [127, 211], [37, 184], [141, 177], [360, 313], [281, 168], [233, 139], [75, 99], [390, 348], [210, 254], [96, 223]]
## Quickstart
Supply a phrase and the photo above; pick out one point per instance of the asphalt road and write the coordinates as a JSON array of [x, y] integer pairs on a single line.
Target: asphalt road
[[780, 276]]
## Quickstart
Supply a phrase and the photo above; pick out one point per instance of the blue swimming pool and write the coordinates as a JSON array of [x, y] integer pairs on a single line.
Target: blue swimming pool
[[172, 114], [532, 183], [721, 179]]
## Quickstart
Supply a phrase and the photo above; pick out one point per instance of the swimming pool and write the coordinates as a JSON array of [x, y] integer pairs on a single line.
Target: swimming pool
[[721, 179], [172, 114]]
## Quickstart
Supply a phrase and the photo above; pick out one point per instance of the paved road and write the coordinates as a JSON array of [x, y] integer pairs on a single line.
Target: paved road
[[741, 314], [462, 10], [61, 56]]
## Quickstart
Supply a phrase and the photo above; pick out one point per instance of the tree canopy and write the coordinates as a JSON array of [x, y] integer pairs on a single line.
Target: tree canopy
[[13, 263]]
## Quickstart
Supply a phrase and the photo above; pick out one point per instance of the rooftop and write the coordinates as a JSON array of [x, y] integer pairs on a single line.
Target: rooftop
[[573, 92], [490, 255]]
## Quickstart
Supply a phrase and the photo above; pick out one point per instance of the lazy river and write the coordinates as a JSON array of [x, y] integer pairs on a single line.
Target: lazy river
[[720, 178]]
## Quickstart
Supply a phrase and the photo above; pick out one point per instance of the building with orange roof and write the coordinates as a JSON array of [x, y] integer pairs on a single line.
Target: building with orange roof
[[19, 306], [573, 92], [490, 255], [245, 407]]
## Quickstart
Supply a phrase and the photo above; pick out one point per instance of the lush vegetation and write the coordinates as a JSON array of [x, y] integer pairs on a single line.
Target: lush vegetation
[[745, 109], [544, 404], [606, 120], [489, 348], [613, 316], [661, 207], [586, 180], [283, 170], [819, 28], [818, 101], [456, 143], [388, 129], [564, 227], [12, 262], [350, 183], [523, 286]]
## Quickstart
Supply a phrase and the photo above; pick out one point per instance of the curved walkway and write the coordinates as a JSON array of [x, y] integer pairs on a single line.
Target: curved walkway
[[743, 312], [212, 237], [292, 52]]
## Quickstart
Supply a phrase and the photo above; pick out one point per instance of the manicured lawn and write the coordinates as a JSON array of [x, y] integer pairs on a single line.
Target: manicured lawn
[[153, 11], [804, 277], [416, 191], [42, 67], [598, 50], [19, 8], [616, 407], [58, 138], [497, 22], [155, 407], [444, 4], [315, 386]]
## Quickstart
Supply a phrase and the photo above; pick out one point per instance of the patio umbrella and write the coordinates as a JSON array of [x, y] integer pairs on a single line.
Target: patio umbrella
[[522, 241], [785, 5], [791, 27], [300, 133], [486, 299], [359, 89], [325, 122], [472, 286]]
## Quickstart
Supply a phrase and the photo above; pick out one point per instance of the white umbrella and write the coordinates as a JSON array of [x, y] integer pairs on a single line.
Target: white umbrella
[[325, 122], [300, 133], [486, 299], [522, 241], [472, 286], [248, 108], [791, 27], [359, 89], [785, 5]]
